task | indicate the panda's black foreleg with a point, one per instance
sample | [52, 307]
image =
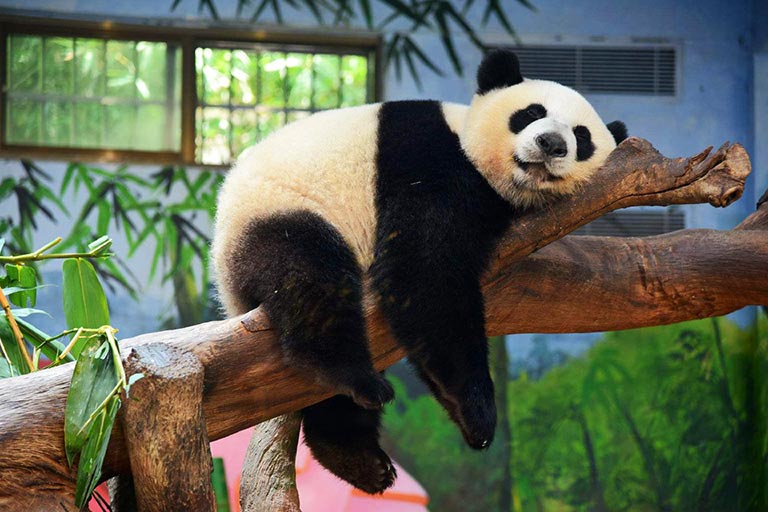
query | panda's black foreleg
[438, 316]
[344, 438]
[299, 268]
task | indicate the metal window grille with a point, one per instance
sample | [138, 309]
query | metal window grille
[245, 92]
[604, 69]
[120, 109]
[635, 222]
[85, 92]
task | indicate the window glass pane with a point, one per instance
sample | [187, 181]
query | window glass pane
[272, 67]
[327, 77]
[58, 60]
[244, 77]
[25, 63]
[57, 122]
[150, 124]
[215, 75]
[151, 80]
[93, 93]
[354, 78]
[269, 122]
[298, 80]
[121, 69]
[90, 59]
[214, 135]
[120, 122]
[89, 123]
[23, 122]
[244, 130]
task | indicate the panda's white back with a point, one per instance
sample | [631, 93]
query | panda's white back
[325, 163]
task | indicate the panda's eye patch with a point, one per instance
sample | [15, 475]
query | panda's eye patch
[584, 146]
[522, 118]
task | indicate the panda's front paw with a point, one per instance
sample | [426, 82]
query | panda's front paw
[477, 414]
[371, 391]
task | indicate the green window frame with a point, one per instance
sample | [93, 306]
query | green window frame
[191, 96]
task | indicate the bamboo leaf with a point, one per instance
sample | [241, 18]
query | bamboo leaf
[422, 56]
[102, 225]
[24, 277]
[365, 8]
[25, 312]
[93, 380]
[85, 304]
[42, 341]
[11, 348]
[5, 369]
[447, 40]
[92, 456]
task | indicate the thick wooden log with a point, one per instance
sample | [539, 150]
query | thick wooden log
[164, 431]
[247, 382]
[268, 483]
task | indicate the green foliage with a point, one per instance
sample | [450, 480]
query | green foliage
[401, 47]
[98, 377]
[85, 304]
[663, 418]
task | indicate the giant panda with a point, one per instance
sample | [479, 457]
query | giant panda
[407, 199]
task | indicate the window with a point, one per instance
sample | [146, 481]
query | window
[244, 93]
[118, 92]
[92, 93]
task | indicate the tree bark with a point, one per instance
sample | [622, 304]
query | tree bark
[583, 284]
[164, 429]
[271, 452]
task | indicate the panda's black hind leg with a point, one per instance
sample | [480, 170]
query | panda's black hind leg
[344, 438]
[299, 268]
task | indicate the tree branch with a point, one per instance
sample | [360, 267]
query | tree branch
[246, 380]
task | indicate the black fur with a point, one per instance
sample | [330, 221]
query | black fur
[522, 118]
[438, 220]
[310, 285]
[618, 130]
[344, 437]
[499, 68]
[585, 148]
[307, 279]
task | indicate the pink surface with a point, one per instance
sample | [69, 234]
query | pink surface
[319, 490]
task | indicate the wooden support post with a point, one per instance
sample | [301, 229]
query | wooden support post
[165, 433]
[271, 452]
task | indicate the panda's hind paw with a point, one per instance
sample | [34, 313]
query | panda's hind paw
[371, 391]
[374, 474]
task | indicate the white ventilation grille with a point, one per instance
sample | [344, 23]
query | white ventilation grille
[603, 69]
[635, 223]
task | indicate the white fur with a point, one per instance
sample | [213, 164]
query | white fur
[489, 143]
[326, 164]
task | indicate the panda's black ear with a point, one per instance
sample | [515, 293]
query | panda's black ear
[499, 68]
[618, 130]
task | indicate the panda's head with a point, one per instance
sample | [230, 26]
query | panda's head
[533, 139]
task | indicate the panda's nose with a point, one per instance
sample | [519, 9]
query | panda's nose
[552, 144]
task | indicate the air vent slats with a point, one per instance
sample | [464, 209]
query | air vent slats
[608, 70]
[635, 223]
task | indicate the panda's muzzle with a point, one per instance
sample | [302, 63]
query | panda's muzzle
[552, 144]
[537, 170]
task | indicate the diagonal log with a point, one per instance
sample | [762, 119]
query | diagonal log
[247, 382]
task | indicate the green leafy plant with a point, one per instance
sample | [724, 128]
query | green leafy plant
[98, 379]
